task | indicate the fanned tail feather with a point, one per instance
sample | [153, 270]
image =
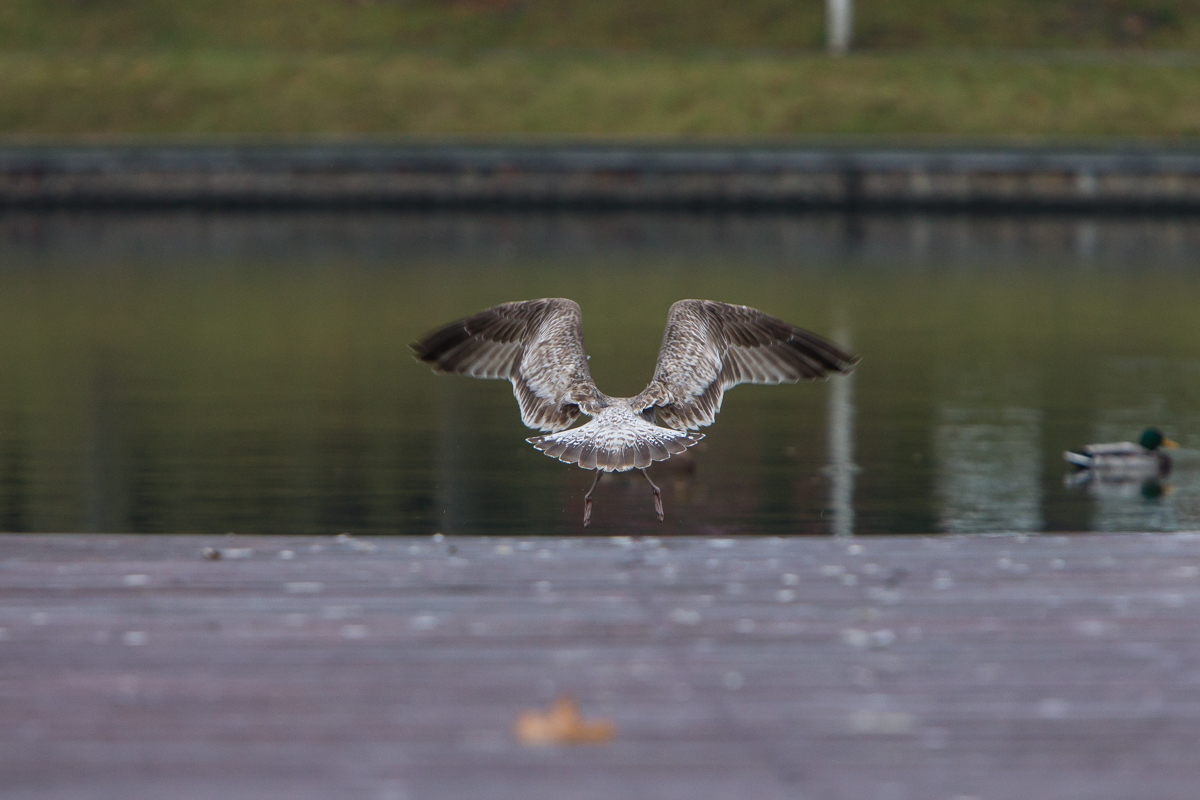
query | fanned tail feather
[615, 443]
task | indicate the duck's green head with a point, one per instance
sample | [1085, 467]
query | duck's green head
[1152, 439]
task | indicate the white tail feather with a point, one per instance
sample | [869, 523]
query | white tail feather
[617, 440]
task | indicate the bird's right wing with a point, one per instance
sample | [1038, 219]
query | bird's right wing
[709, 347]
[536, 344]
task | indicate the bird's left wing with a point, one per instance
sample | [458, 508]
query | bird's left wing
[536, 344]
[709, 347]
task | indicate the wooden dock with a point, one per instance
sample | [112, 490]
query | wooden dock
[910, 668]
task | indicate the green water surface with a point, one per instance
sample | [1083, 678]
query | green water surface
[187, 372]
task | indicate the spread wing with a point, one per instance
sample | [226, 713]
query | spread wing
[709, 347]
[536, 344]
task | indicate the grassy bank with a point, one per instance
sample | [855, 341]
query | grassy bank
[597, 68]
[604, 24]
[129, 92]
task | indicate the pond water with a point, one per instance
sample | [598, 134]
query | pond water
[191, 372]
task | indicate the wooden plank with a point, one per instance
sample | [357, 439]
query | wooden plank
[912, 667]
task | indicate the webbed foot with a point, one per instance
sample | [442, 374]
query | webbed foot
[587, 502]
[658, 506]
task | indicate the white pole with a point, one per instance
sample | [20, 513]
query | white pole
[839, 21]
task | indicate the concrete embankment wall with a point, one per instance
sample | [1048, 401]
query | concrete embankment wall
[596, 177]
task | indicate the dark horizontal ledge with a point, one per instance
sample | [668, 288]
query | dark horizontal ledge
[595, 176]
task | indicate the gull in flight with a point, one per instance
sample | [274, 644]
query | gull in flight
[708, 347]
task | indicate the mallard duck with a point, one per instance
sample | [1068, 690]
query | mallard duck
[1126, 461]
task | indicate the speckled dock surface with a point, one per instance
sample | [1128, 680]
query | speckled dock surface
[914, 668]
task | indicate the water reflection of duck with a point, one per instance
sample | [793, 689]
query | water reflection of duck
[1118, 488]
[1139, 461]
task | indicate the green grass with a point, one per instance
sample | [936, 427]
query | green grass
[605, 24]
[562, 94]
[620, 68]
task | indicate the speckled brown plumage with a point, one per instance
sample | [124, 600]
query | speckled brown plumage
[707, 348]
[536, 344]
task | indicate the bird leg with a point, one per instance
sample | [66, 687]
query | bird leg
[587, 501]
[657, 497]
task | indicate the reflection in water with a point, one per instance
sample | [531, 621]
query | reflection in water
[1123, 504]
[299, 240]
[1133, 505]
[212, 372]
[841, 446]
[14, 471]
[989, 470]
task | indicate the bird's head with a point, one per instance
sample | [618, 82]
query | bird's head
[1152, 439]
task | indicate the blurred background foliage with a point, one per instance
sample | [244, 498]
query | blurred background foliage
[597, 68]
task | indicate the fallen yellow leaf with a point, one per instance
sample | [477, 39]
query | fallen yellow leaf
[561, 725]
